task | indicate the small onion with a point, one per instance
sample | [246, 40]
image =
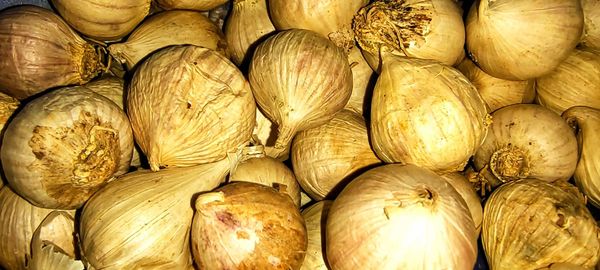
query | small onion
[326, 157]
[315, 217]
[467, 192]
[64, 146]
[40, 51]
[189, 105]
[591, 31]
[201, 5]
[400, 217]
[532, 224]
[247, 226]
[527, 141]
[575, 82]
[177, 27]
[497, 93]
[522, 40]
[105, 20]
[300, 80]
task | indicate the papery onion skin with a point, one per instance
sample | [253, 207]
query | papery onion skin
[497, 93]
[575, 82]
[202, 5]
[413, 97]
[40, 51]
[467, 192]
[300, 80]
[531, 224]
[64, 146]
[177, 27]
[190, 111]
[50, 252]
[8, 105]
[363, 80]
[527, 141]
[104, 20]
[591, 32]
[525, 39]
[400, 217]
[315, 217]
[326, 157]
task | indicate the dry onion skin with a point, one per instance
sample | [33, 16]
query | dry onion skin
[586, 122]
[431, 29]
[326, 157]
[202, 5]
[104, 20]
[400, 217]
[531, 224]
[177, 27]
[8, 105]
[497, 93]
[40, 51]
[330, 18]
[468, 193]
[575, 82]
[64, 146]
[247, 23]
[414, 97]
[362, 82]
[49, 254]
[315, 217]
[247, 226]
[143, 219]
[526, 141]
[265, 134]
[300, 80]
[189, 105]
[522, 40]
[591, 31]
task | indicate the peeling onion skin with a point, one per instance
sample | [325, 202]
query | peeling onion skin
[467, 192]
[400, 217]
[64, 146]
[201, 5]
[315, 217]
[40, 51]
[547, 225]
[522, 40]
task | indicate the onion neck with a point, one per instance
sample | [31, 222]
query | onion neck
[91, 63]
[509, 163]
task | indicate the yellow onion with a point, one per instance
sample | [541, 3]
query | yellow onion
[105, 20]
[177, 27]
[189, 105]
[202, 5]
[586, 122]
[48, 253]
[591, 31]
[532, 224]
[40, 51]
[522, 40]
[362, 82]
[327, 157]
[400, 217]
[330, 18]
[497, 93]
[430, 29]
[247, 226]
[575, 82]
[64, 146]
[256, 167]
[526, 141]
[19, 220]
[315, 217]
[300, 80]
[8, 105]
[143, 218]
[467, 192]
[426, 113]
[245, 26]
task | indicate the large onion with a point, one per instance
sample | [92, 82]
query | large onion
[40, 51]
[400, 217]
[522, 40]
[315, 217]
[189, 105]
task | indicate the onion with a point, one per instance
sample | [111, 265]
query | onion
[415, 97]
[247, 226]
[330, 18]
[431, 29]
[497, 93]
[400, 217]
[467, 192]
[300, 80]
[531, 224]
[40, 51]
[105, 20]
[575, 82]
[201, 5]
[189, 105]
[525, 39]
[168, 28]
[527, 141]
[326, 157]
[591, 14]
[64, 146]
[363, 80]
[315, 217]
